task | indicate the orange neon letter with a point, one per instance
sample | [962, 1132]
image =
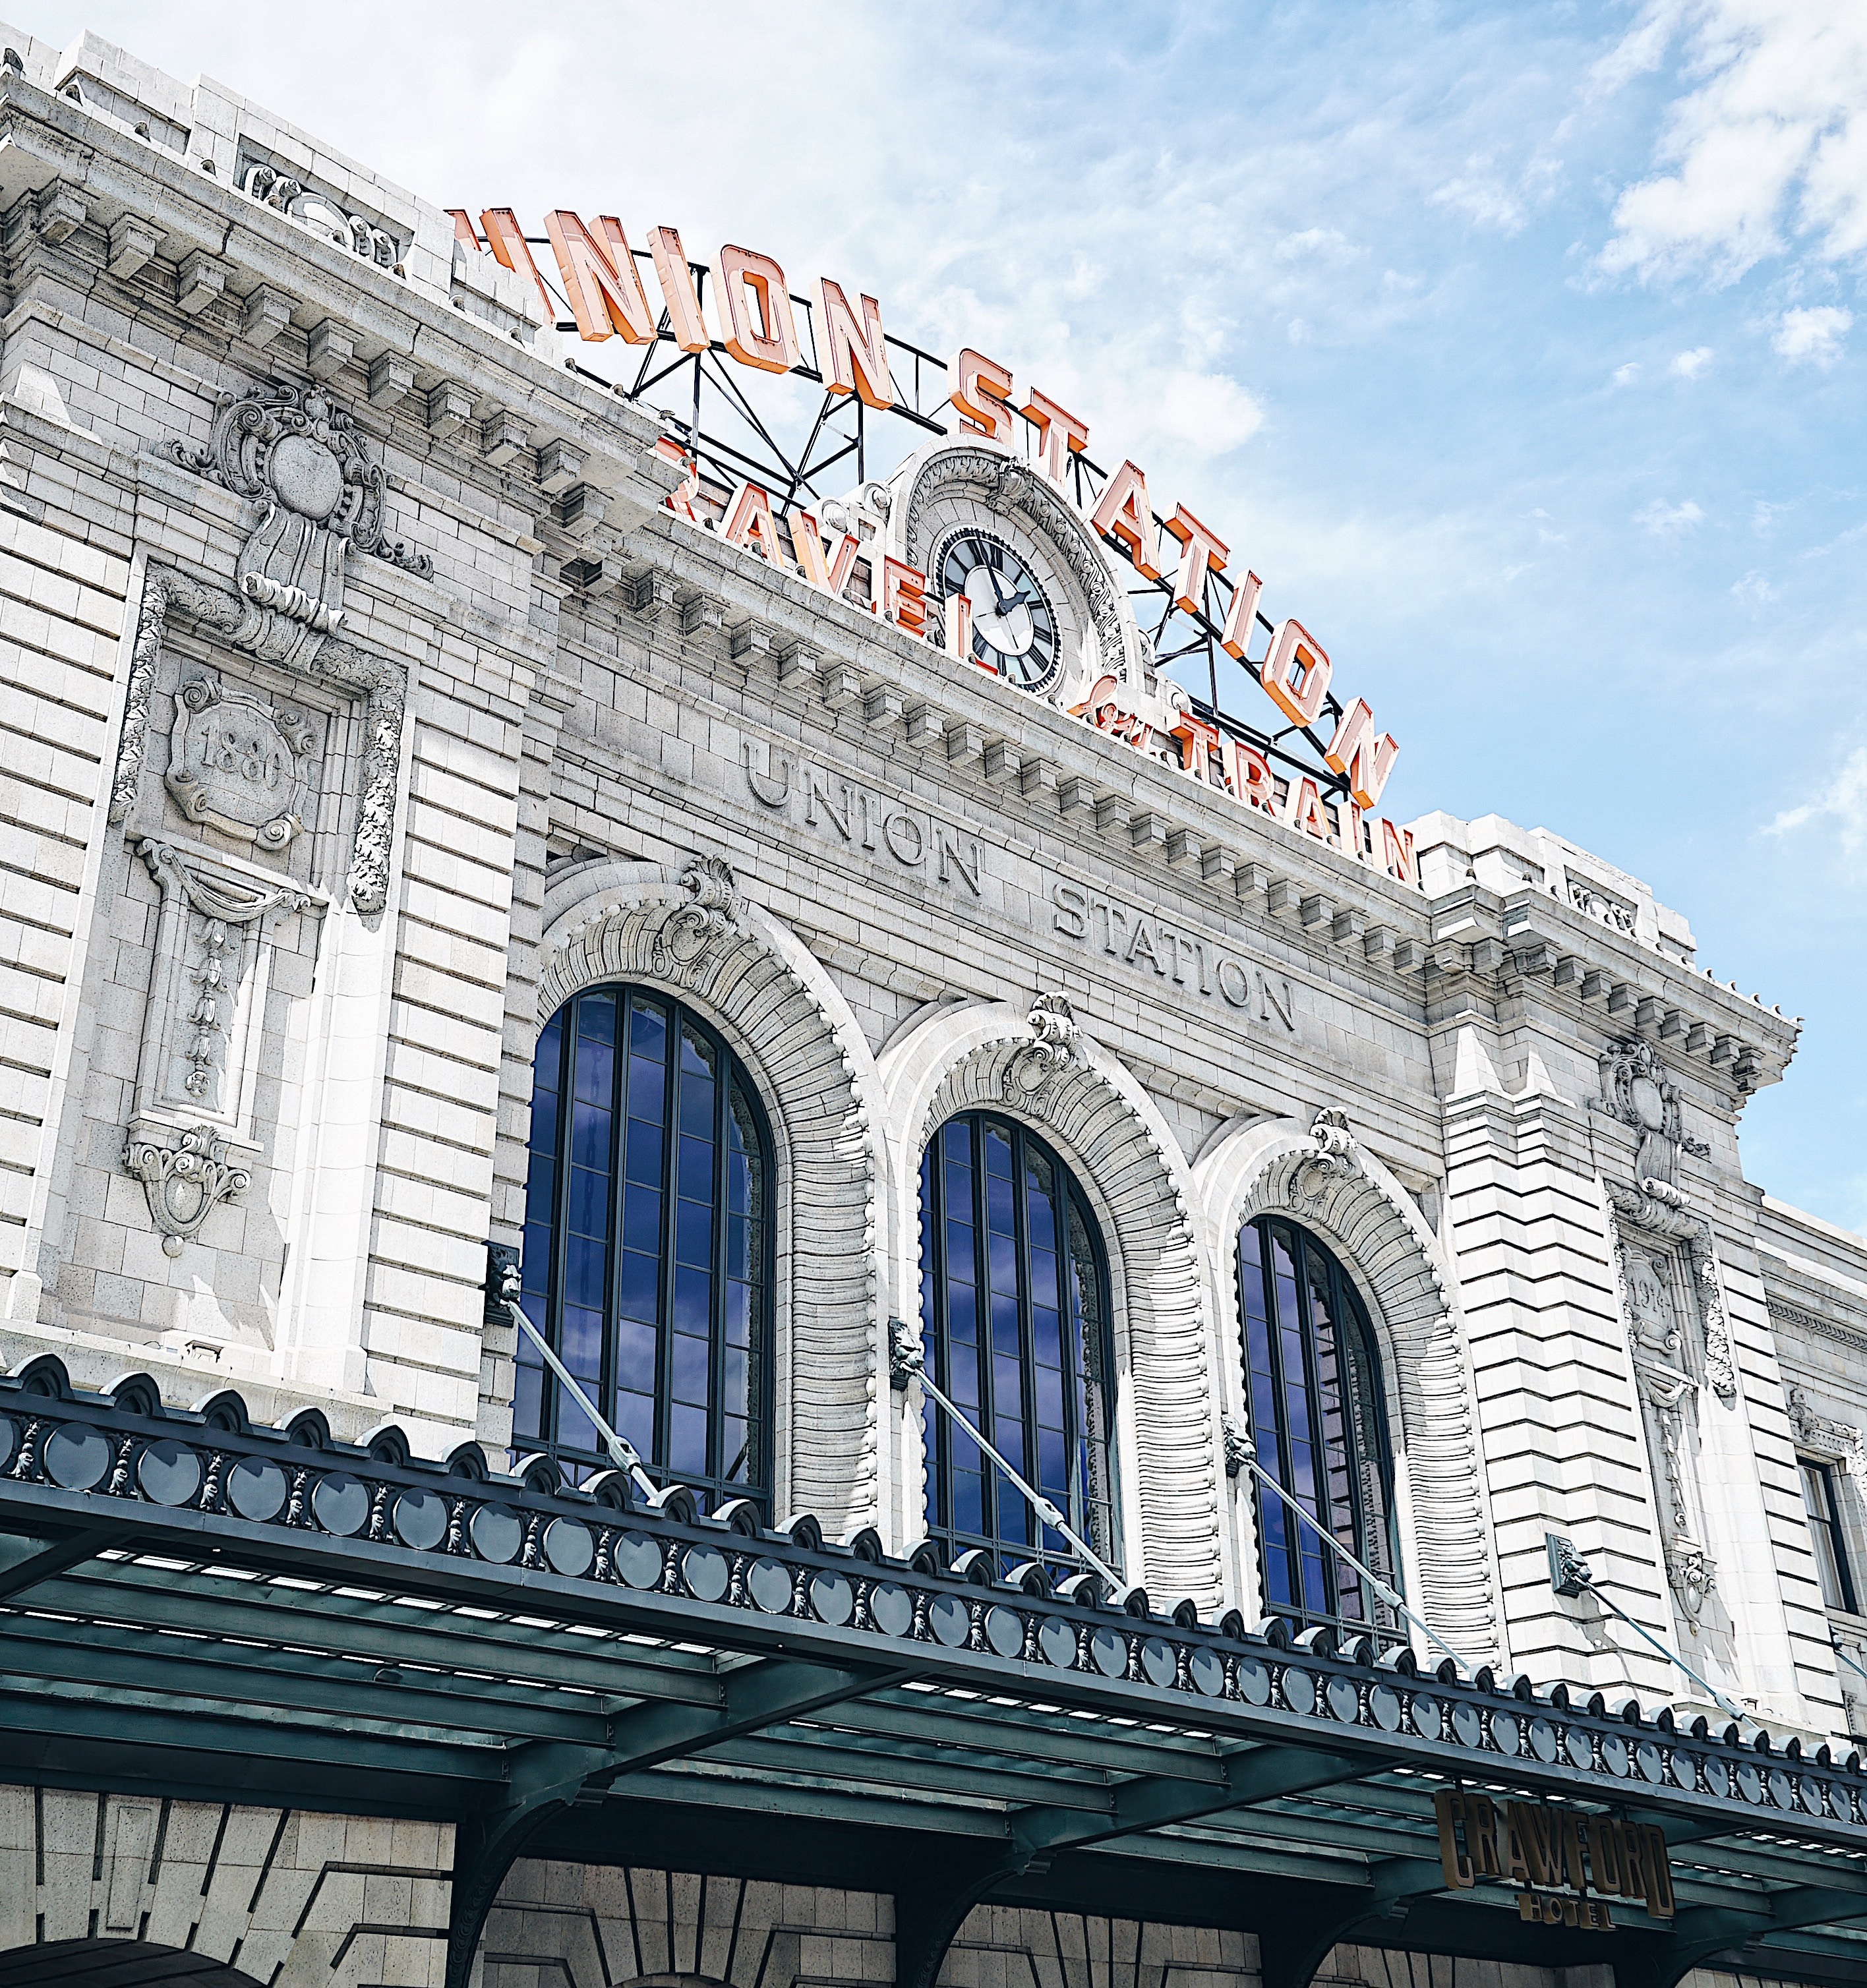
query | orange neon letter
[1199, 548]
[605, 290]
[853, 360]
[1061, 434]
[1125, 514]
[904, 596]
[1241, 616]
[506, 240]
[980, 390]
[1356, 752]
[463, 230]
[748, 523]
[1296, 673]
[676, 277]
[681, 501]
[1397, 852]
[763, 334]
[1253, 784]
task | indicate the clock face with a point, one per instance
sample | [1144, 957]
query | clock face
[1015, 624]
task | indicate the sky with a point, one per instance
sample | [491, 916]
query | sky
[1521, 349]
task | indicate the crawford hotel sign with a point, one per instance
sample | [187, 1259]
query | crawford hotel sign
[1002, 541]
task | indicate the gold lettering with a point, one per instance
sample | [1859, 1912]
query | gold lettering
[1449, 1806]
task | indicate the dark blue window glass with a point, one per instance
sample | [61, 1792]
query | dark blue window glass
[648, 1245]
[1312, 1394]
[1015, 1323]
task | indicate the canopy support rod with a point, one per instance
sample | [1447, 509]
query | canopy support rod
[1034, 1498]
[623, 1455]
[1388, 1594]
[1568, 1574]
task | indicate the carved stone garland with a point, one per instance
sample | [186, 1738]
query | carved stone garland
[302, 456]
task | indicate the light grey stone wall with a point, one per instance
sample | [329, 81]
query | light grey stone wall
[528, 728]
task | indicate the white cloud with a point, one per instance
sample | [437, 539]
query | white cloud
[1844, 805]
[1323, 244]
[1668, 521]
[1208, 412]
[1483, 199]
[1690, 365]
[1772, 134]
[1753, 594]
[1812, 337]
[1625, 375]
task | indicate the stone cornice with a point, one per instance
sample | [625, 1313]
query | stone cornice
[747, 621]
[51, 143]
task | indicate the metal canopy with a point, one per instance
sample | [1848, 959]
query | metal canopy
[192, 1607]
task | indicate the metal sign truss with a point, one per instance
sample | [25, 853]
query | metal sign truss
[730, 437]
[190, 1605]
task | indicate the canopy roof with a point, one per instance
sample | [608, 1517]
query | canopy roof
[192, 1606]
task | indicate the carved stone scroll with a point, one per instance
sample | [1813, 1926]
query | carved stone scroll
[235, 760]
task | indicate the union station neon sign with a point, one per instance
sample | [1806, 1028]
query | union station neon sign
[603, 282]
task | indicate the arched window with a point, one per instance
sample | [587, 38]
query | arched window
[648, 1245]
[1015, 1323]
[1312, 1380]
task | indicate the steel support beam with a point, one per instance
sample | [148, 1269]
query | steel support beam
[550, 1776]
[39, 1560]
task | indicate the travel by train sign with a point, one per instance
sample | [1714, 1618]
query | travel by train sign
[756, 321]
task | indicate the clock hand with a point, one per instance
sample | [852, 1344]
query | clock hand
[998, 587]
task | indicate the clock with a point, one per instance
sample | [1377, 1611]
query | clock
[1049, 614]
[1014, 622]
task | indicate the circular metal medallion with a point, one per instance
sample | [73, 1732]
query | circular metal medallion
[1004, 1630]
[1615, 1756]
[256, 1488]
[1056, 1639]
[1428, 1719]
[1467, 1724]
[1159, 1662]
[1299, 1691]
[76, 1458]
[950, 1619]
[638, 1560]
[1207, 1671]
[769, 1582]
[832, 1598]
[497, 1535]
[168, 1472]
[891, 1608]
[1384, 1707]
[1344, 1700]
[421, 1520]
[1254, 1681]
[1543, 1740]
[1108, 1651]
[569, 1547]
[340, 1503]
[704, 1570]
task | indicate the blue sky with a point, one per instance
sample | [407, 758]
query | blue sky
[1520, 349]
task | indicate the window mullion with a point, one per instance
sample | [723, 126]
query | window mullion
[561, 1228]
[1027, 1336]
[664, 1279]
[717, 1458]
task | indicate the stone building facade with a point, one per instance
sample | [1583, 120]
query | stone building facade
[369, 689]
